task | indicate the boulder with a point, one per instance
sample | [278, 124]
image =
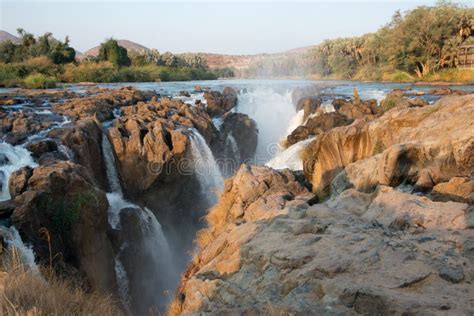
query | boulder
[41, 147]
[317, 125]
[84, 139]
[356, 253]
[357, 109]
[64, 216]
[309, 105]
[456, 189]
[410, 139]
[18, 181]
[244, 131]
[218, 103]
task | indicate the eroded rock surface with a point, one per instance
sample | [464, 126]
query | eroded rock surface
[398, 145]
[386, 252]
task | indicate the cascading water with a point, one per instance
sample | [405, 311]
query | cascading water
[205, 167]
[272, 110]
[290, 157]
[25, 253]
[154, 242]
[296, 120]
[232, 150]
[12, 158]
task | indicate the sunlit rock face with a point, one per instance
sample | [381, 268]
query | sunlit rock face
[269, 247]
[388, 230]
[437, 138]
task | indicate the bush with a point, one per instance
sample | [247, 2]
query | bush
[27, 292]
[398, 76]
[453, 75]
[90, 72]
[39, 81]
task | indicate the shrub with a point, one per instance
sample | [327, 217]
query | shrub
[39, 81]
[398, 76]
[453, 75]
[27, 292]
[90, 72]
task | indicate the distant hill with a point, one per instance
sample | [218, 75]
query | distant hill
[243, 61]
[129, 45]
[5, 36]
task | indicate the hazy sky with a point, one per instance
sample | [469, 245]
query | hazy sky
[244, 27]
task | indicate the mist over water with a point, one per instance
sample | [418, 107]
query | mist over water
[272, 110]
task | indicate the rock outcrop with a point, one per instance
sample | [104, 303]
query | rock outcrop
[244, 131]
[150, 136]
[398, 146]
[219, 103]
[61, 213]
[84, 141]
[270, 248]
[316, 125]
[102, 104]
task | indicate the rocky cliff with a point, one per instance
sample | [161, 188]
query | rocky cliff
[389, 231]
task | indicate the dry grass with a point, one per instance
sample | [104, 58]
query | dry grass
[25, 292]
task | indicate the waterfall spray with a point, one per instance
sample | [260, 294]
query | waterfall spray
[154, 242]
[205, 167]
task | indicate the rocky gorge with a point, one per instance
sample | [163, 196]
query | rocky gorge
[365, 208]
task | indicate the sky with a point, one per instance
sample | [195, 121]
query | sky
[227, 27]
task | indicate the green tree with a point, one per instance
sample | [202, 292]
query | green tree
[112, 52]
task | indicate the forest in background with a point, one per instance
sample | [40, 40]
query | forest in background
[41, 62]
[418, 45]
[421, 44]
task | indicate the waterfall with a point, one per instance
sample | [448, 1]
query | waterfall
[272, 110]
[290, 157]
[110, 166]
[12, 158]
[154, 241]
[295, 121]
[232, 150]
[25, 253]
[205, 167]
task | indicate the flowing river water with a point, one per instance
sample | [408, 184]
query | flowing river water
[269, 102]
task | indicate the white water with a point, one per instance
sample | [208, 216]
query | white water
[205, 167]
[154, 241]
[122, 283]
[232, 150]
[110, 166]
[272, 111]
[18, 157]
[295, 121]
[290, 157]
[328, 107]
[25, 253]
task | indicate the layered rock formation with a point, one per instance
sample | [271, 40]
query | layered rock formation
[219, 103]
[61, 213]
[388, 252]
[395, 236]
[399, 145]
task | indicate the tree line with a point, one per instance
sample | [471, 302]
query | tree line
[415, 44]
[40, 62]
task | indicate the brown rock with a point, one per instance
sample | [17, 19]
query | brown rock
[40, 147]
[85, 139]
[245, 132]
[420, 139]
[18, 181]
[457, 189]
[62, 199]
[218, 103]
